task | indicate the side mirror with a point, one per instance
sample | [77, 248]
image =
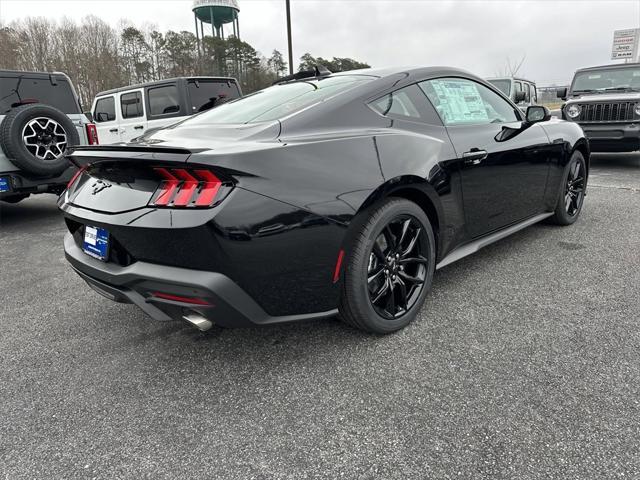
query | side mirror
[519, 97]
[561, 93]
[537, 113]
[89, 116]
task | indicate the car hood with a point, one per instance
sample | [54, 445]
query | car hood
[606, 97]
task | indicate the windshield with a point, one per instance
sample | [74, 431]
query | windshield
[602, 80]
[278, 101]
[503, 85]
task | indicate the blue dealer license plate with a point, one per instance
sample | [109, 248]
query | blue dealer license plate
[96, 242]
[5, 186]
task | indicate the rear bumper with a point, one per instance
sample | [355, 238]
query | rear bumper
[228, 304]
[613, 137]
[21, 184]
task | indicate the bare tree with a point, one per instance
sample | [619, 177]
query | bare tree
[510, 68]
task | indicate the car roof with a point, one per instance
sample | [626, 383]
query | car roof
[517, 79]
[610, 66]
[161, 82]
[411, 72]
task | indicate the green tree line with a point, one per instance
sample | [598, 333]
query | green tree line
[97, 56]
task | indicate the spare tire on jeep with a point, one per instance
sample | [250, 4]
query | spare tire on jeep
[35, 138]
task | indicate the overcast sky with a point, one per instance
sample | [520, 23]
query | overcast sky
[556, 36]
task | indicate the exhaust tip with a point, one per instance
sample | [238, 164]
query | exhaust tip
[196, 320]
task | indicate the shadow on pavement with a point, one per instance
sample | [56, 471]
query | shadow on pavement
[40, 208]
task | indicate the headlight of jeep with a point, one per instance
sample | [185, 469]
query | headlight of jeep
[637, 109]
[573, 111]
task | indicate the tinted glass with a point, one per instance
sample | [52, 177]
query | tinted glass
[527, 93]
[279, 101]
[503, 85]
[534, 94]
[13, 90]
[131, 105]
[164, 100]
[206, 94]
[517, 86]
[398, 104]
[464, 102]
[620, 78]
[105, 110]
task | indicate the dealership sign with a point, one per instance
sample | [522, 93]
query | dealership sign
[625, 43]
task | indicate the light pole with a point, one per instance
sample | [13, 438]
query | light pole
[289, 38]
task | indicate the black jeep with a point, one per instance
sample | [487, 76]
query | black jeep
[605, 101]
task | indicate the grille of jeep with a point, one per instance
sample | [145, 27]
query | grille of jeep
[607, 112]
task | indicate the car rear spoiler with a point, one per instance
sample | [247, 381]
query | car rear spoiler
[82, 156]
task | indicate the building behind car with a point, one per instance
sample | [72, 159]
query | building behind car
[123, 114]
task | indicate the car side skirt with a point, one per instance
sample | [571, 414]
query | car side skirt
[475, 245]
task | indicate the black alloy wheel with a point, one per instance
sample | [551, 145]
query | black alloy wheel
[397, 267]
[574, 189]
[574, 185]
[388, 266]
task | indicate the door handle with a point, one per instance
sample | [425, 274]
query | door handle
[113, 130]
[474, 156]
[138, 127]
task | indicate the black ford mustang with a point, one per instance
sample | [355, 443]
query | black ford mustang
[324, 194]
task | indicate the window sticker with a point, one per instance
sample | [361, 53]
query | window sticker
[459, 102]
[594, 77]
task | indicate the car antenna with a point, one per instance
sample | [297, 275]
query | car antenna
[318, 71]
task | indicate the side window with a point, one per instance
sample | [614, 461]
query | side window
[407, 103]
[527, 93]
[397, 104]
[460, 101]
[131, 105]
[105, 110]
[517, 87]
[163, 100]
[534, 94]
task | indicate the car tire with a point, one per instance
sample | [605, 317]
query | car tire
[573, 187]
[35, 138]
[380, 254]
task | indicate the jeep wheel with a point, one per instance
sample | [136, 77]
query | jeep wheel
[35, 138]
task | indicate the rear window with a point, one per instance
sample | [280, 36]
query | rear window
[206, 94]
[280, 100]
[164, 100]
[105, 110]
[14, 90]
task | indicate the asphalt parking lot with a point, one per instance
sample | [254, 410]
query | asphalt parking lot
[525, 363]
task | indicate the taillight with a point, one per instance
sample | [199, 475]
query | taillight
[181, 187]
[92, 134]
[75, 176]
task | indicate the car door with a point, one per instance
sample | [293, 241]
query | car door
[133, 122]
[106, 120]
[504, 162]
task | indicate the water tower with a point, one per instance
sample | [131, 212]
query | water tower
[217, 13]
